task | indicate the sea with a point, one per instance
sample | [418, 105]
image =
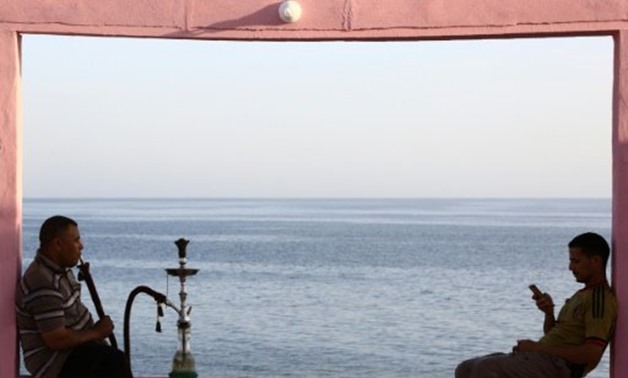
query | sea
[328, 288]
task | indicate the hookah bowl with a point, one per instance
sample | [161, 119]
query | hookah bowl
[183, 363]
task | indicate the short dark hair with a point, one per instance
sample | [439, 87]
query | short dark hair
[592, 244]
[53, 227]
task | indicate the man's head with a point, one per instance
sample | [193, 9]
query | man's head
[60, 240]
[588, 256]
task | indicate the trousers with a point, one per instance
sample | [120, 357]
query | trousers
[95, 360]
[514, 365]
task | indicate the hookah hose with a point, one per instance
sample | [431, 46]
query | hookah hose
[85, 275]
[158, 297]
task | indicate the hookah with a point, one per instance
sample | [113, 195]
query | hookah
[183, 363]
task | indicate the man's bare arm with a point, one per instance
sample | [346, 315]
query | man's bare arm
[544, 303]
[65, 338]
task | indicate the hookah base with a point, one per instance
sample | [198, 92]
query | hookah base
[183, 374]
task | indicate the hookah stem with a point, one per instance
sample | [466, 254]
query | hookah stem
[84, 270]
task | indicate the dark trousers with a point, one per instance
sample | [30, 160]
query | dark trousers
[95, 360]
[514, 365]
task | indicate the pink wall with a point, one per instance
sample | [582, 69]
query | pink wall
[619, 367]
[10, 195]
[321, 20]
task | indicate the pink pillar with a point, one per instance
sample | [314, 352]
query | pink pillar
[10, 196]
[619, 364]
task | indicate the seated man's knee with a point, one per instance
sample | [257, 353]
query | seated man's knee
[463, 370]
[480, 367]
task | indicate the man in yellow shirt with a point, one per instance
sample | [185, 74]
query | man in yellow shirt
[574, 342]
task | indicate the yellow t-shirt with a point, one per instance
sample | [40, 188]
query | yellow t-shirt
[587, 317]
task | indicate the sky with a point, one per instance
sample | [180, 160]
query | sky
[116, 117]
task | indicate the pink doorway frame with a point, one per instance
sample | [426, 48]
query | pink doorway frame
[256, 20]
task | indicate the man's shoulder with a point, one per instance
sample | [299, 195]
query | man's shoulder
[603, 294]
[37, 276]
[607, 295]
[597, 291]
[602, 301]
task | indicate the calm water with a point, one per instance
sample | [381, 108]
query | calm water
[330, 288]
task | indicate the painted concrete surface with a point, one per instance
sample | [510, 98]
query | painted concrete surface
[321, 20]
[10, 196]
[619, 364]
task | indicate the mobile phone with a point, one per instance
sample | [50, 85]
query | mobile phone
[536, 291]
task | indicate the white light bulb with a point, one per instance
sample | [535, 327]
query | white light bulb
[290, 11]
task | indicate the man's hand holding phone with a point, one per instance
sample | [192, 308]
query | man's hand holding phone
[543, 300]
